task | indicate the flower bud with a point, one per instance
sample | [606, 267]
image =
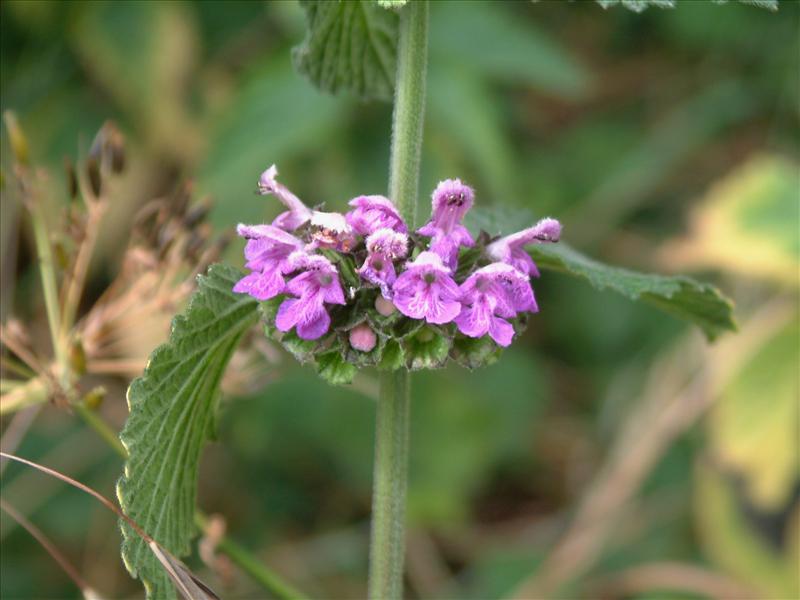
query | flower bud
[362, 338]
[383, 306]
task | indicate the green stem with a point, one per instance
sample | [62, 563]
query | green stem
[387, 546]
[48, 275]
[409, 108]
[242, 558]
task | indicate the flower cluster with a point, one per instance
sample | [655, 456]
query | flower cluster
[359, 288]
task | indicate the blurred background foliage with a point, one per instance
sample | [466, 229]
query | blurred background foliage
[612, 452]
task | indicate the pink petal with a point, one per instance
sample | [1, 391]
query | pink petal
[501, 331]
[314, 325]
[287, 316]
[333, 294]
[261, 286]
[474, 321]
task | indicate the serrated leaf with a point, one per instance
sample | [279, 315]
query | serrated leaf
[172, 412]
[473, 353]
[350, 45]
[680, 296]
[640, 5]
[637, 5]
[426, 349]
[334, 369]
[392, 3]
[768, 4]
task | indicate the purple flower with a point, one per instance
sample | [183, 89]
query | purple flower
[371, 213]
[490, 296]
[317, 285]
[511, 248]
[426, 291]
[451, 201]
[383, 247]
[298, 213]
[267, 252]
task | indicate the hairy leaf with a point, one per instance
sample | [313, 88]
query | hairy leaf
[172, 413]
[350, 45]
[637, 5]
[681, 296]
[640, 5]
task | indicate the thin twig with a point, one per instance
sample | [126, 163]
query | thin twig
[84, 488]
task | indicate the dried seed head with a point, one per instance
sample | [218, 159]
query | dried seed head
[94, 397]
[16, 138]
[72, 178]
[77, 357]
[93, 173]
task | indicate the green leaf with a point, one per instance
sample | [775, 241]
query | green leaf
[637, 5]
[681, 296]
[391, 3]
[172, 413]
[350, 45]
[640, 5]
[768, 4]
[334, 369]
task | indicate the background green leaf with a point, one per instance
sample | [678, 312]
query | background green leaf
[172, 414]
[683, 297]
[350, 45]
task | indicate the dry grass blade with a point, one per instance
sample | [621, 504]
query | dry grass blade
[188, 584]
[185, 581]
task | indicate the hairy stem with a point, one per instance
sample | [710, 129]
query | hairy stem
[409, 108]
[387, 545]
